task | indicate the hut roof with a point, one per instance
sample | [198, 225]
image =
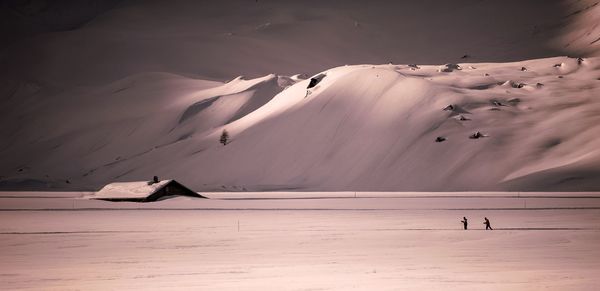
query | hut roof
[130, 190]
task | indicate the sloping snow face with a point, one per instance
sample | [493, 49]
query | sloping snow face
[129, 190]
[101, 127]
[221, 40]
[580, 34]
[479, 126]
[375, 127]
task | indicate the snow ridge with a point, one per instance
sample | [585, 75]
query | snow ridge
[487, 126]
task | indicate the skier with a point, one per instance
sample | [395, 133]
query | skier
[464, 222]
[487, 224]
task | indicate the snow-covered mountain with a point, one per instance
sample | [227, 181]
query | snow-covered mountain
[219, 41]
[86, 107]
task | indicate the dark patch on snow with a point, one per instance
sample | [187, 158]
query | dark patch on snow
[184, 137]
[477, 135]
[569, 179]
[483, 86]
[263, 94]
[120, 90]
[581, 10]
[315, 80]
[197, 152]
[124, 173]
[552, 143]
[514, 101]
[497, 103]
[196, 108]
[447, 68]
[455, 109]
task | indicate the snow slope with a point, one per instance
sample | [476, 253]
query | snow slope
[580, 34]
[218, 41]
[85, 129]
[363, 127]
[131, 94]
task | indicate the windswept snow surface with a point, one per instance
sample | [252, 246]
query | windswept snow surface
[301, 241]
[581, 33]
[220, 40]
[363, 127]
[129, 92]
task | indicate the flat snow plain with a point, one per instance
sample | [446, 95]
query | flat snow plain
[301, 241]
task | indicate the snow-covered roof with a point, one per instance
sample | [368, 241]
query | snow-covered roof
[121, 190]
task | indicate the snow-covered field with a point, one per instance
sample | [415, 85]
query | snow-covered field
[301, 241]
[461, 95]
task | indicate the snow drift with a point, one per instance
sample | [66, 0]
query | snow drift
[129, 92]
[363, 127]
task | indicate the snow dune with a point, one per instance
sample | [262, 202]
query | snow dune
[138, 97]
[362, 127]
